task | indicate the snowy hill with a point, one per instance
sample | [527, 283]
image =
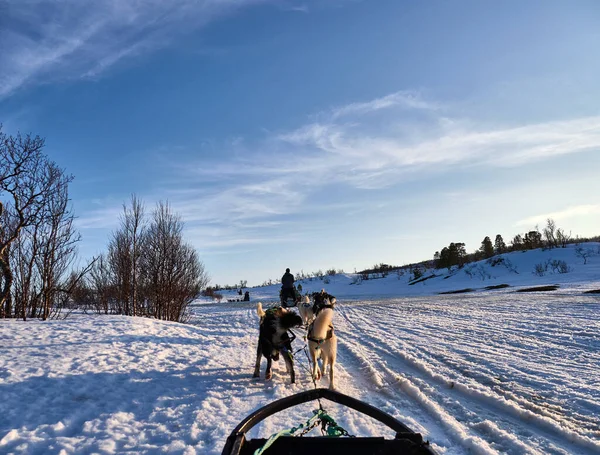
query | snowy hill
[514, 269]
[488, 372]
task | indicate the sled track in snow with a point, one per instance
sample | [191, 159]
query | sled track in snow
[448, 385]
[473, 375]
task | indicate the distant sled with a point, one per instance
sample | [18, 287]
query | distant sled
[406, 442]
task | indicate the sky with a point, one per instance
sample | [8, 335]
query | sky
[313, 134]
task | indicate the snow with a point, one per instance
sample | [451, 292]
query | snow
[517, 271]
[487, 372]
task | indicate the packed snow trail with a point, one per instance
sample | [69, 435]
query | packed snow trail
[499, 381]
[486, 374]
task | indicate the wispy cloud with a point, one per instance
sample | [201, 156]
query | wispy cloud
[570, 212]
[367, 155]
[106, 217]
[406, 99]
[258, 188]
[46, 40]
[287, 169]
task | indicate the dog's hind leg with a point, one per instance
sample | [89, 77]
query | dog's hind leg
[316, 373]
[331, 375]
[332, 359]
[257, 364]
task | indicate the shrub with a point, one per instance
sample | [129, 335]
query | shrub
[540, 269]
[553, 265]
[208, 292]
[584, 253]
[560, 266]
[417, 273]
[498, 260]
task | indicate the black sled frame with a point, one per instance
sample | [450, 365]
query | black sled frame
[406, 442]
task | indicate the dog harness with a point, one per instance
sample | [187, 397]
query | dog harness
[320, 306]
[319, 341]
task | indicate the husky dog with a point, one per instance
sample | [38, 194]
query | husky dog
[322, 343]
[273, 338]
[305, 308]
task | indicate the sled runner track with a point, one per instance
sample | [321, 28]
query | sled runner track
[546, 409]
[451, 430]
[413, 382]
[469, 370]
[412, 374]
[433, 416]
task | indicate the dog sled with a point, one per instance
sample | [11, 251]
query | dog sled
[287, 442]
[289, 300]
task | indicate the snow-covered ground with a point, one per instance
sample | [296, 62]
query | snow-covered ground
[485, 373]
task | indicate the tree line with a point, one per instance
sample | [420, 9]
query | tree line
[147, 270]
[455, 254]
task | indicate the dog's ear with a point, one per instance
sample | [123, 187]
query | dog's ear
[259, 310]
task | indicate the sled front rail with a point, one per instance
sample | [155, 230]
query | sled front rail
[406, 442]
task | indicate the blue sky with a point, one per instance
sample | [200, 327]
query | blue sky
[314, 134]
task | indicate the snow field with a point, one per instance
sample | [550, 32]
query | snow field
[489, 373]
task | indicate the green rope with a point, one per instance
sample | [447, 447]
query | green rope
[309, 425]
[328, 427]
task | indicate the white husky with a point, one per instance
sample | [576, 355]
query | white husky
[322, 343]
[305, 308]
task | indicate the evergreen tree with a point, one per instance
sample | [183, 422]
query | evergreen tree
[499, 245]
[487, 248]
[532, 240]
[517, 243]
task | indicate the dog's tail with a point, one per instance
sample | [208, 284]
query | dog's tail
[259, 310]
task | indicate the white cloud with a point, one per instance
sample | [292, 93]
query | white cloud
[103, 218]
[568, 213]
[46, 40]
[358, 152]
[405, 99]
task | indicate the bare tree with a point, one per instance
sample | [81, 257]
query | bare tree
[124, 253]
[119, 259]
[100, 283]
[58, 249]
[134, 226]
[173, 272]
[36, 225]
[562, 237]
[584, 253]
[549, 234]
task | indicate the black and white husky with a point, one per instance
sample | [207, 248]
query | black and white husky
[308, 310]
[274, 339]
